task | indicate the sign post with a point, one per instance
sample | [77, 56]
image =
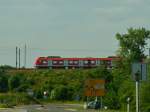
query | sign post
[101, 102]
[95, 87]
[137, 96]
[139, 73]
[137, 78]
[128, 104]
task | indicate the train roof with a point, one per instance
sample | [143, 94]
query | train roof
[59, 58]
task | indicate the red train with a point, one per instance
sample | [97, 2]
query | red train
[58, 62]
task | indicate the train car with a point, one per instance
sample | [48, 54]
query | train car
[67, 63]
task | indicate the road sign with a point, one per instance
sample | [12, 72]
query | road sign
[140, 69]
[94, 87]
[139, 72]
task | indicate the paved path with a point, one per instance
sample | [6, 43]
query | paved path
[49, 108]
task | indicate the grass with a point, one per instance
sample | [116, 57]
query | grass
[99, 110]
[6, 106]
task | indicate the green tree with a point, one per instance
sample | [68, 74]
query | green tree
[15, 81]
[60, 92]
[132, 44]
[145, 99]
[132, 47]
[3, 83]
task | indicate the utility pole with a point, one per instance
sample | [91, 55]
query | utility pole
[16, 57]
[19, 58]
[25, 55]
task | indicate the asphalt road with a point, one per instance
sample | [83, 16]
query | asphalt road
[49, 108]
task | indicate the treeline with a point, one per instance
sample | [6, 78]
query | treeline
[59, 85]
[68, 85]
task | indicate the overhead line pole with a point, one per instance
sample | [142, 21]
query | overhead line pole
[16, 57]
[19, 58]
[25, 55]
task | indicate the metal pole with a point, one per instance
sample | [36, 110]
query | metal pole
[128, 104]
[96, 99]
[16, 57]
[128, 107]
[137, 96]
[25, 55]
[19, 57]
[101, 102]
[149, 52]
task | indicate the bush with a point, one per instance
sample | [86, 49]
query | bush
[15, 81]
[5, 106]
[12, 99]
[38, 94]
[22, 88]
[3, 83]
[60, 92]
[147, 108]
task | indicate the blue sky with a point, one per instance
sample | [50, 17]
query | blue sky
[69, 28]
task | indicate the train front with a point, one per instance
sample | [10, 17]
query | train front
[41, 62]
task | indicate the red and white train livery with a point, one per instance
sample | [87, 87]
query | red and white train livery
[58, 62]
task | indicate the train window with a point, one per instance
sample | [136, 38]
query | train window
[92, 62]
[44, 62]
[85, 62]
[108, 62]
[75, 62]
[54, 62]
[70, 62]
[60, 62]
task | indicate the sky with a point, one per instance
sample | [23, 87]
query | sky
[67, 28]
